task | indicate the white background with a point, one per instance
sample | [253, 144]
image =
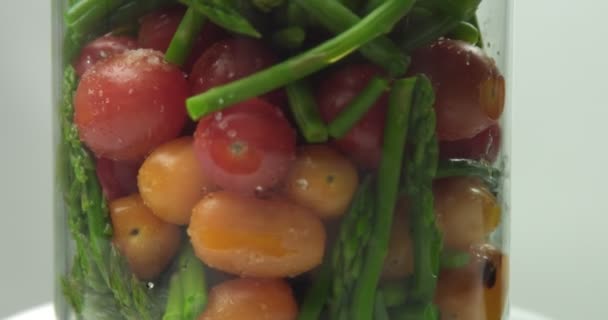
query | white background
[560, 157]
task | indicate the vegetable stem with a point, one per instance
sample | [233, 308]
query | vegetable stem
[175, 301]
[306, 114]
[373, 25]
[317, 295]
[337, 18]
[185, 35]
[387, 186]
[416, 312]
[358, 107]
[289, 38]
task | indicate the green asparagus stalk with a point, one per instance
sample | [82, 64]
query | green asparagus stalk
[305, 112]
[84, 16]
[420, 170]
[349, 252]
[317, 295]
[337, 18]
[175, 300]
[427, 32]
[187, 289]
[465, 31]
[470, 168]
[387, 190]
[373, 25]
[394, 293]
[185, 35]
[358, 107]
[380, 308]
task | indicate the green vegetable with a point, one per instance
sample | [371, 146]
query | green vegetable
[454, 259]
[348, 254]
[304, 109]
[375, 24]
[337, 18]
[317, 295]
[84, 16]
[188, 288]
[426, 32]
[459, 9]
[380, 309]
[466, 32]
[185, 35]
[470, 168]
[371, 5]
[224, 14]
[394, 293]
[358, 107]
[416, 312]
[475, 22]
[131, 10]
[289, 38]
[267, 5]
[387, 190]
[420, 168]
[99, 277]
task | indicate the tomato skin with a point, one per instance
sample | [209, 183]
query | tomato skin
[127, 105]
[117, 179]
[157, 29]
[247, 148]
[469, 89]
[230, 60]
[251, 299]
[363, 143]
[148, 243]
[100, 49]
[484, 146]
[248, 236]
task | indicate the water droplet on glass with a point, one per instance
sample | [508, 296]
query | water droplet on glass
[150, 285]
[218, 116]
[131, 91]
[231, 133]
[223, 125]
[100, 93]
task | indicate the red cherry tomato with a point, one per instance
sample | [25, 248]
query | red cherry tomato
[100, 49]
[117, 179]
[364, 141]
[127, 105]
[470, 91]
[157, 30]
[484, 146]
[230, 60]
[247, 148]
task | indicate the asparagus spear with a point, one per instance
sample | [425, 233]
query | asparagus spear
[187, 289]
[470, 168]
[337, 18]
[358, 107]
[349, 252]
[420, 170]
[373, 25]
[304, 109]
[387, 190]
[184, 37]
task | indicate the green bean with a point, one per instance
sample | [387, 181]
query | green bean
[337, 18]
[184, 37]
[357, 108]
[305, 112]
[373, 25]
[389, 172]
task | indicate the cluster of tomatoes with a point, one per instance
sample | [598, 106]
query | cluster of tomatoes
[254, 200]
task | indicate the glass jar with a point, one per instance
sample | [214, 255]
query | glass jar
[303, 159]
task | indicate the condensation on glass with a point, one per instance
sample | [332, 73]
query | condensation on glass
[282, 159]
